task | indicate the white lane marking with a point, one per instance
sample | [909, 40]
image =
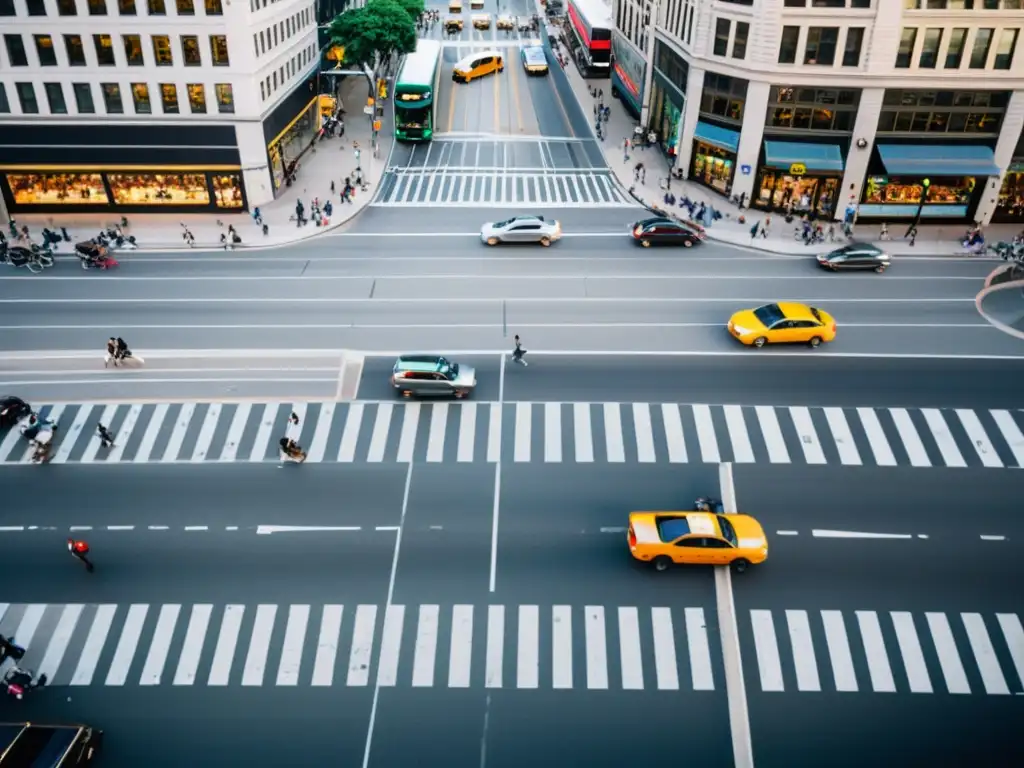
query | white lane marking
[803, 651]
[911, 440]
[93, 446]
[706, 434]
[197, 527]
[117, 673]
[362, 646]
[528, 651]
[318, 447]
[787, 533]
[263, 434]
[327, 646]
[467, 432]
[120, 527]
[769, 665]
[614, 446]
[644, 433]
[259, 645]
[124, 433]
[884, 456]
[410, 424]
[494, 433]
[460, 651]
[597, 648]
[666, 668]
[699, 650]
[826, 534]
[97, 638]
[59, 641]
[294, 639]
[1013, 633]
[390, 646]
[495, 515]
[1012, 435]
[874, 649]
[839, 651]
[976, 432]
[561, 647]
[910, 650]
[951, 455]
[206, 432]
[182, 422]
[379, 437]
[495, 646]
[949, 658]
[425, 652]
[582, 435]
[156, 659]
[235, 431]
[552, 433]
[74, 432]
[350, 434]
[192, 646]
[984, 654]
[227, 640]
[630, 656]
[842, 435]
[989, 537]
[742, 451]
[674, 433]
[772, 434]
[524, 416]
[809, 442]
[149, 437]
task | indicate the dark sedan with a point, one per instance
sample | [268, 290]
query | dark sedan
[664, 231]
[12, 410]
[855, 256]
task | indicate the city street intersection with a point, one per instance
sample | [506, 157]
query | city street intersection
[449, 583]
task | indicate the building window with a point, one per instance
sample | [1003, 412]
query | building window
[55, 98]
[982, 44]
[104, 50]
[44, 48]
[854, 44]
[190, 51]
[36, 7]
[263, 91]
[214, 8]
[16, 51]
[930, 48]
[225, 98]
[955, 51]
[7, 8]
[83, 98]
[169, 97]
[112, 98]
[140, 95]
[1007, 46]
[739, 42]
[197, 98]
[5, 105]
[126, 7]
[906, 49]
[256, 45]
[219, 50]
[27, 97]
[812, 109]
[67, 8]
[75, 50]
[162, 51]
[723, 97]
[133, 50]
[156, 7]
[789, 44]
[942, 111]
[97, 7]
[821, 46]
[185, 7]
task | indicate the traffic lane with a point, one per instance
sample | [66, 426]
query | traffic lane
[551, 546]
[438, 726]
[580, 119]
[206, 387]
[552, 117]
[444, 556]
[375, 382]
[517, 116]
[751, 378]
[851, 730]
[446, 219]
[941, 564]
[168, 727]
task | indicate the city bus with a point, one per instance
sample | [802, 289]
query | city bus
[416, 92]
[53, 746]
[591, 39]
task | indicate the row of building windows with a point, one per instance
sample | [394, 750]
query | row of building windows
[74, 46]
[124, 7]
[963, 5]
[724, 35]
[633, 19]
[931, 45]
[723, 97]
[113, 100]
[296, 65]
[821, 46]
[268, 38]
[827, 4]
[812, 109]
[680, 19]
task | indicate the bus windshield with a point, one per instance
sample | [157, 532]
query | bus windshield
[416, 92]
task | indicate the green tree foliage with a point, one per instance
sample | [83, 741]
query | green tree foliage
[380, 29]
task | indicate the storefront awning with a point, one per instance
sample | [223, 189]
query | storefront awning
[938, 159]
[813, 157]
[722, 138]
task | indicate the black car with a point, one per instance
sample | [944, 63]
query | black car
[855, 256]
[12, 410]
[664, 231]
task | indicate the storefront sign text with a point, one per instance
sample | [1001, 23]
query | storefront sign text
[797, 169]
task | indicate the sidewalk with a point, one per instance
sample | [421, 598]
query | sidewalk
[735, 225]
[331, 160]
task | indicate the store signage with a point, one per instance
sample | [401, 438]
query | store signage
[745, 170]
[797, 169]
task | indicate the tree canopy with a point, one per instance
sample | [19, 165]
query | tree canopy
[379, 29]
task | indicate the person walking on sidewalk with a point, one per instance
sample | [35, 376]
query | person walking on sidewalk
[257, 216]
[911, 232]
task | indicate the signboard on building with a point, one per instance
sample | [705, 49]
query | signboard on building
[797, 169]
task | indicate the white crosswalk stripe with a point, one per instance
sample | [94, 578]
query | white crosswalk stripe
[558, 647]
[550, 432]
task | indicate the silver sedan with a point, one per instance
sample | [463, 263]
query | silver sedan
[522, 229]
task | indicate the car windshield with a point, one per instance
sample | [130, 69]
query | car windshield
[451, 370]
[728, 532]
[671, 528]
[769, 315]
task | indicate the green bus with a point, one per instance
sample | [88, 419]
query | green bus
[416, 92]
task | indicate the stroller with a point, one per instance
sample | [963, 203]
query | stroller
[94, 256]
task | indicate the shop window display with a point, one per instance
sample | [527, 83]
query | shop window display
[159, 189]
[801, 194]
[58, 189]
[888, 191]
[227, 191]
[713, 167]
[1011, 196]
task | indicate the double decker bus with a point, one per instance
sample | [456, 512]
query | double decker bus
[591, 40]
[416, 92]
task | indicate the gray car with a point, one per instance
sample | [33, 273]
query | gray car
[521, 229]
[432, 375]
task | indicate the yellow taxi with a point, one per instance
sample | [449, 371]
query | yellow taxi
[784, 322]
[696, 538]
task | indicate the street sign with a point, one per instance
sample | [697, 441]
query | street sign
[745, 170]
[367, 110]
[797, 169]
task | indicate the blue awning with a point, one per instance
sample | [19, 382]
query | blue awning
[814, 157]
[939, 159]
[722, 138]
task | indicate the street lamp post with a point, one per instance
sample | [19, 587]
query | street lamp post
[926, 185]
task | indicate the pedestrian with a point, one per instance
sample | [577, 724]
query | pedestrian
[332, 187]
[106, 439]
[257, 216]
[911, 232]
[883, 234]
[754, 230]
[625, 150]
[766, 226]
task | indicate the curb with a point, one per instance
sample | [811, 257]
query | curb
[988, 290]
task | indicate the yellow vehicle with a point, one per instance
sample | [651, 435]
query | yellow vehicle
[785, 322]
[478, 65]
[482, 20]
[455, 6]
[535, 61]
[476, 5]
[696, 538]
[505, 22]
[452, 24]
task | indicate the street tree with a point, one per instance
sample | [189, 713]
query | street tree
[379, 30]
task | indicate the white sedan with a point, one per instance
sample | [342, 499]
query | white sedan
[522, 229]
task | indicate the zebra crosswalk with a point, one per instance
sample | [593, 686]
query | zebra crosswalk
[524, 432]
[413, 187]
[556, 647]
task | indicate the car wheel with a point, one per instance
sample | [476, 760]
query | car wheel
[492, 241]
[661, 563]
[645, 243]
[740, 564]
[687, 243]
[879, 270]
[545, 241]
[760, 341]
[815, 342]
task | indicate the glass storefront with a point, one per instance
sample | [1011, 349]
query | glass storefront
[286, 149]
[713, 167]
[803, 194]
[900, 197]
[120, 190]
[1010, 205]
[666, 115]
[628, 68]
